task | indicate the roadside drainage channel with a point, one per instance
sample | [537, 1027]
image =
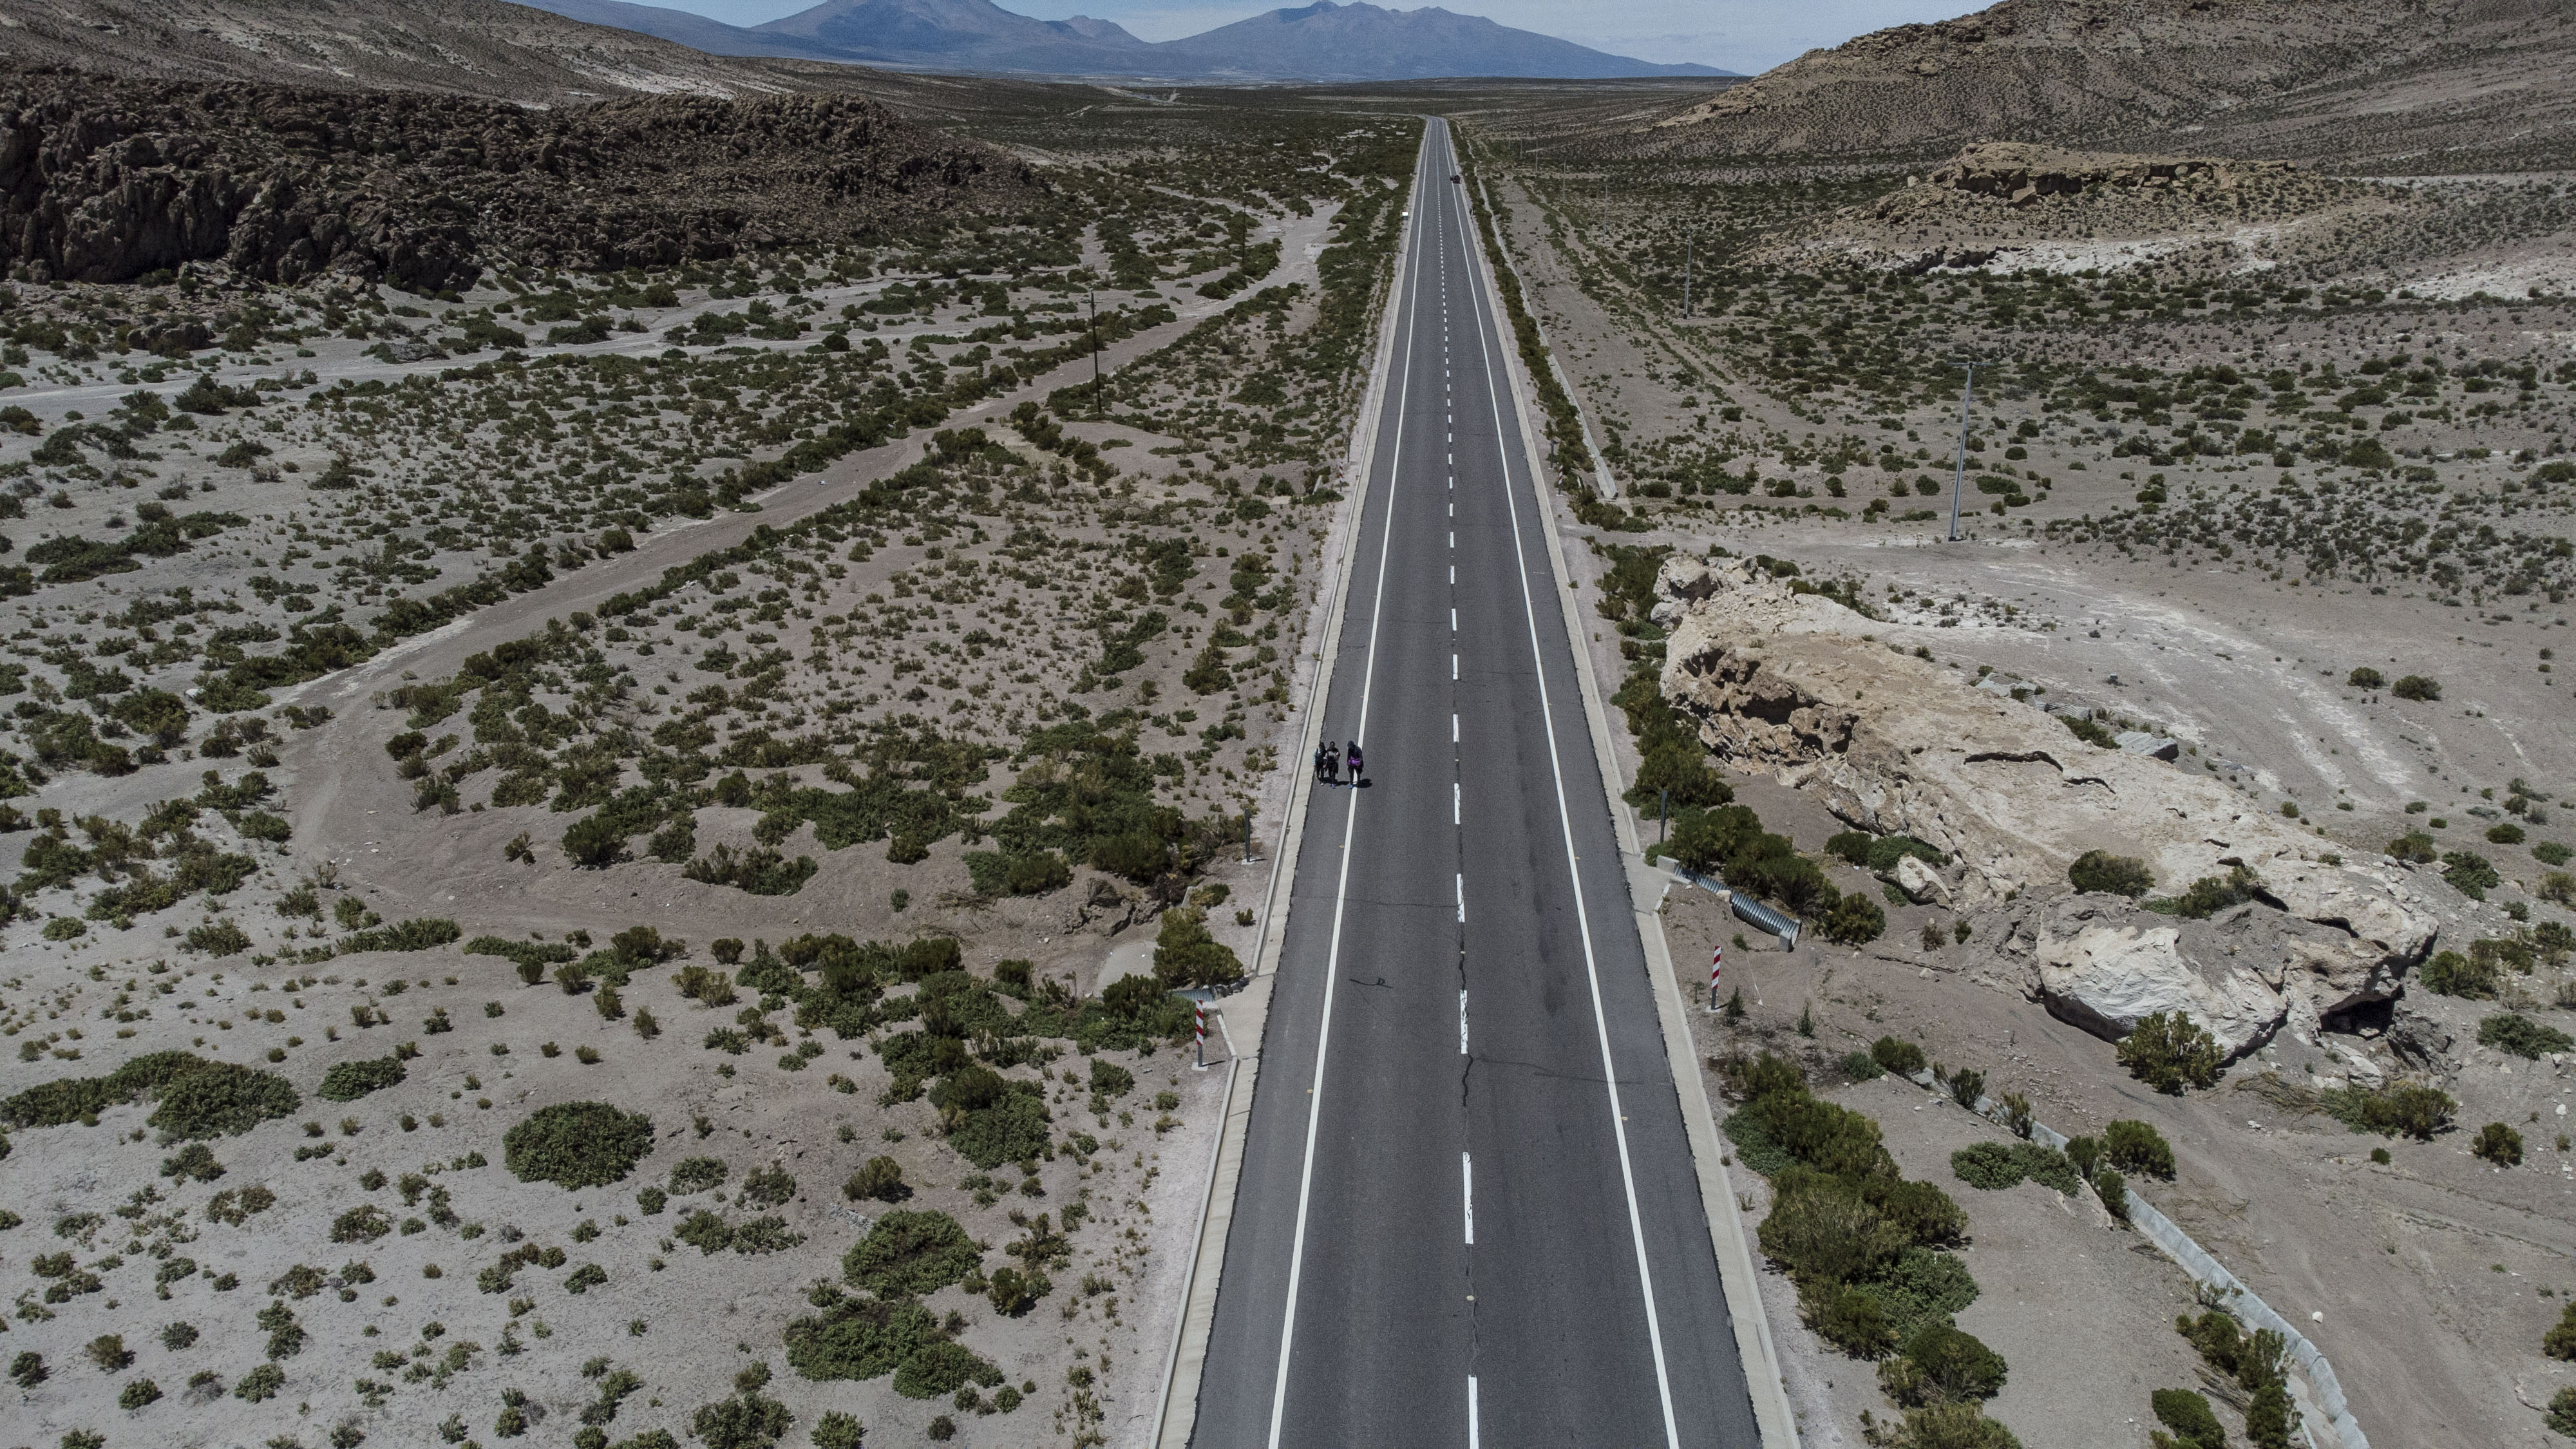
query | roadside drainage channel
[2326, 1396]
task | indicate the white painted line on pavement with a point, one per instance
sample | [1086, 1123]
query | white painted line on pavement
[1462, 1023]
[1466, 1164]
[1341, 891]
[1462, 899]
[1456, 796]
[1471, 1411]
[1582, 915]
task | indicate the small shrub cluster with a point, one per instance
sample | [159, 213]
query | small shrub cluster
[2406, 1108]
[2258, 1362]
[2169, 1051]
[2135, 1146]
[1993, 1166]
[348, 1081]
[2520, 1035]
[2120, 875]
[577, 1144]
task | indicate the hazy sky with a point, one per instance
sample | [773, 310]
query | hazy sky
[1743, 35]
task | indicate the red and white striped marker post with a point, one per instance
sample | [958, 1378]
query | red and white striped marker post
[1716, 969]
[1200, 1010]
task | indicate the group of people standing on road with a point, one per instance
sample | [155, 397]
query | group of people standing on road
[1331, 760]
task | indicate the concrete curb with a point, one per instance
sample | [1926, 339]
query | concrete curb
[1176, 1408]
[1717, 1194]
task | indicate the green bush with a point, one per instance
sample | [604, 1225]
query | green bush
[1950, 1426]
[2114, 1192]
[1990, 1166]
[2560, 1341]
[2420, 688]
[2451, 974]
[2365, 678]
[2119, 875]
[1903, 1058]
[349, 1081]
[1851, 1319]
[942, 1368]
[1923, 1286]
[746, 1421]
[879, 1178]
[697, 1174]
[2048, 1167]
[2211, 894]
[2414, 847]
[2498, 1144]
[2470, 873]
[2168, 1051]
[856, 1338]
[577, 1144]
[2188, 1415]
[2138, 1147]
[2520, 1035]
[911, 1253]
[222, 1099]
[260, 1384]
[1943, 1365]
[1862, 1067]
[1819, 1230]
[1186, 956]
[1854, 920]
[2411, 1109]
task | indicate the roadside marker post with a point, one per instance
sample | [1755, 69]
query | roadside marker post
[1199, 1010]
[1716, 969]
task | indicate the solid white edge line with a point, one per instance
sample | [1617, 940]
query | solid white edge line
[1341, 889]
[1583, 920]
[1471, 1411]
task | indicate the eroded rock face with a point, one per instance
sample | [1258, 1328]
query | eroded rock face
[2020, 173]
[1784, 683]
[102, 180]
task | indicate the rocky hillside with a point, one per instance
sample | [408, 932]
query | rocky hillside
[459, 47]
[2450, 84]
[104, 180]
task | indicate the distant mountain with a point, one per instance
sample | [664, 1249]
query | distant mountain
[1330, 42]
[457, 47]
[1319, 42]
[2403, 84]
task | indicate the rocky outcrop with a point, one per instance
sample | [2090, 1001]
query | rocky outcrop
[2020, 174]
[103, 180]
[1786, 684]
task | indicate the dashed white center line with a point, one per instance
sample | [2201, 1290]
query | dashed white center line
[1462, 1026]
[1453, 669]
[1462, 897]
[1453, 621]
[1453, 729]
[1456, 800]
[1466, 1164]
[1471, 1412]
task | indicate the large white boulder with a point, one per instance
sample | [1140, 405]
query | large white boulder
[2106, 979]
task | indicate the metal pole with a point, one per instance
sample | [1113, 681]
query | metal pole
[1716, 969]
[1200, 1009]
[1959, 481]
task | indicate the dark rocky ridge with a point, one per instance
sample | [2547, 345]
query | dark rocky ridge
[104, 180]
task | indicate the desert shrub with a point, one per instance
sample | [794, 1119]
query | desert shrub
[2451, 974]
[2470, 873]
[109, 1352]
[1950, 1426]
[2048, 1167]
[1817, 1229]
[1851, 1319]
[138, 1394]
[1987, 1165]
[2188, 1415]
[2169, 1051]
[745, 1421]
[989, 1130]
[2498, 1144]
[880, 1179]
[1013, 1292]
[2211, 894]
[349, 1081]
[2561, 1414]
[221, 1098]
[1903, 1058]
[860, 1338]
[2520, 1035]
[705, 1230]
[2420, 688]
[260, 1384]
[2412, 1109]
[1922, 1286]
[1186, 956]
[697, 1174]
[2414, 847]
[942, 1368]
[2560, 1341]
[196, 1162]
[1854, 920]
[1941, 1364]
[1966, 1086]
[2365, 678]
[2119, 875]
[2504, 832]
[2113, 1189]
[911, 1253]
[1862, 1067]
[769, 1186]
[2138, 1147]
[577, 1144]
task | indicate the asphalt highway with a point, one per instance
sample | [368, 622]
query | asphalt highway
[1468, 1212]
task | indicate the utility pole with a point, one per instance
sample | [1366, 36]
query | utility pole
[1093, 294]
[1959, 481]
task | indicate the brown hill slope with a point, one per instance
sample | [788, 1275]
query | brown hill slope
[2434, 85]
[459, 47]
[103, 180]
